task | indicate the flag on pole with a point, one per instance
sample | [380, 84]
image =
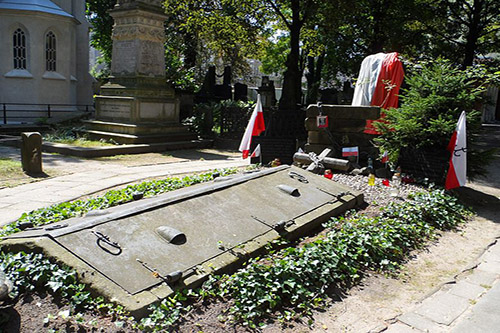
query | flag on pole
[385, 157]
[458, 160]
[256, 152]
[350, 151]
[255, 127]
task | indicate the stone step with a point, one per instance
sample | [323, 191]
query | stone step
[123, 138]
[90, 152]
[135, 129]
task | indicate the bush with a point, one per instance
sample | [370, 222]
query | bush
[437, 92]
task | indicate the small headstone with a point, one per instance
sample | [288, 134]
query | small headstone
[240, 92]
[31, 152]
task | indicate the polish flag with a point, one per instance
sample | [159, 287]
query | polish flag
[385, 157]
[349, 151]
[458, 160]
[254, 128]
[256, 152]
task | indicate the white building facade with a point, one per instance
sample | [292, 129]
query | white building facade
[44, 53]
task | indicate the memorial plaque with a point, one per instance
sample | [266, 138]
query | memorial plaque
[114, 108]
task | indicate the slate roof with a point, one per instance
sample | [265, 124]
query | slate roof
[44, 6]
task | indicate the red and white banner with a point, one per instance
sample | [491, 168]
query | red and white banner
[256, 152]
[457, 171]
[379, 80]
[254, 128]
[385, 158]
[350, 151]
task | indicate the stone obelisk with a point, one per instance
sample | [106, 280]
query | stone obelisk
[137, 92]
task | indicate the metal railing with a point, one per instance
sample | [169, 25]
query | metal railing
[40, 110]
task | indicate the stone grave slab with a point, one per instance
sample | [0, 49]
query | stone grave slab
[142, 251]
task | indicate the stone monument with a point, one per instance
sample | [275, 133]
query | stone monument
[137, 105]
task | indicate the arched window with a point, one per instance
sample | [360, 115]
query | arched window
[19, 45]
[50, 52]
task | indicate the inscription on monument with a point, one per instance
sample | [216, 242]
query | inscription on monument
[152, 58]
[114, 108]
[124, 57]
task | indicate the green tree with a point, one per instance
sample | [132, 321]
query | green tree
[464, 29]
[437, 93]
[101, 26]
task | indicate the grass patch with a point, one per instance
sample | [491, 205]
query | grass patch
[11, 173]
[9, 167]
[70, 136]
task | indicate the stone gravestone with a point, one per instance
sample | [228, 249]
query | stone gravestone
[137, 92]
[267, 93]
[31, 152]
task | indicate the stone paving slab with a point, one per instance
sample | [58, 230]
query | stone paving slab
[443, 308]
[401, 328]
[471, 304]
[484, 317]
[419, 322]
[491, 267]
[482, 278]
[466, 290]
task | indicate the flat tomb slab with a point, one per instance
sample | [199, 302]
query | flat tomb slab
[128, 249]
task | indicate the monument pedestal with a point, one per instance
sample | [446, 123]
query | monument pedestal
[137, 105]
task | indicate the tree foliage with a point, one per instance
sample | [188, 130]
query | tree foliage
[437, 93]
[101, 26]
[463, 29]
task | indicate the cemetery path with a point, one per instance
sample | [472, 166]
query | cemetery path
[75, 177]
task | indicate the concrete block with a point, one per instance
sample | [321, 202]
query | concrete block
[443, 308]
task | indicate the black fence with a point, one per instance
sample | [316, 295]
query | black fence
[27, 111]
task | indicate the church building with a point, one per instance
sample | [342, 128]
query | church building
[44, 58]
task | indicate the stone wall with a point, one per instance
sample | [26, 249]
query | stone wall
[345, 128]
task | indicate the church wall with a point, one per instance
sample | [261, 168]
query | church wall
[71, 83]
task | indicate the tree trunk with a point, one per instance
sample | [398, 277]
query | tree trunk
[291, 91]
[190, 52]
[378, 38]
[313, 76]
[473, 33]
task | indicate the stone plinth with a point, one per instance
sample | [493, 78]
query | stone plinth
[345, 127]
[137, 92]
[137, 100]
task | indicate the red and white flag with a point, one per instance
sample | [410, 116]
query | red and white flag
[255, 127]
[349, 151]
[458, 160]
[256, 152]
[385, 157]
